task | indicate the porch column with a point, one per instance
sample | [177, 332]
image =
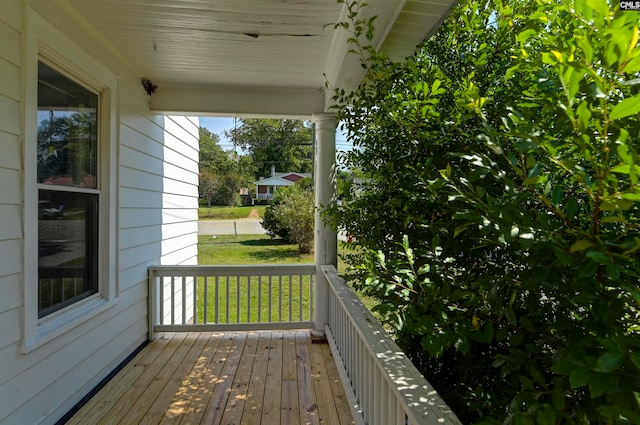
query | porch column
[326, 240]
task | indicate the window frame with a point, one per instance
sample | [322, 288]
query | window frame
[91, 240]
[43, 42]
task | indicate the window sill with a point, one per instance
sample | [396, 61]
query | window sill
[51, 328]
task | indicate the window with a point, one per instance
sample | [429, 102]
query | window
[68, 190]
[70, 261]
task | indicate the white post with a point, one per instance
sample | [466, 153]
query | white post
[326, 240]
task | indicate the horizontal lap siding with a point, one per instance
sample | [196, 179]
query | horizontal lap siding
[159, 179]
[10, 199]
[181, 178]
[157, 224]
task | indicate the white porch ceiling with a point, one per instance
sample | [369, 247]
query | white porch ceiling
[248, 57]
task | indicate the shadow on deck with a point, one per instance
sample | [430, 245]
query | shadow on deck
[262, 377]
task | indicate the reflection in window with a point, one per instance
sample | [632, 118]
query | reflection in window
[67, 239]
[68, 198]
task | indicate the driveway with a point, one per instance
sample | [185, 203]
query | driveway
[230, 227]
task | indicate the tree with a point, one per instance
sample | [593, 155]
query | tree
[291, 215]
[223, 173]
[207, 186]
[67, 145]
[211, 154]
[498, 221]
[284, 144]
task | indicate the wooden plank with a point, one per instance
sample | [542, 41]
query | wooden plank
[163, 401]
[306, 388]
[260, 378]
[339, 396]
[189, 386]
[153, 390]
[209, 379]
[252, 414]
[273, 382]
[238, 393]
[215, 407]
[290, 404]
[133, 400]
[109, 395]
[324, 393]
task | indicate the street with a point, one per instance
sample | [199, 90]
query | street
[230, 227]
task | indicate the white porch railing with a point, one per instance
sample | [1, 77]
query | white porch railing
[385, 387]
[215, 298]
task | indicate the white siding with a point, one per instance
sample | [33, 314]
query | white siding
[10, 192]
[156, 224]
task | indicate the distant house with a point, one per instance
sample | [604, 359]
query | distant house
[267, 186]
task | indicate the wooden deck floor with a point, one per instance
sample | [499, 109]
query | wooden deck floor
[224, 378]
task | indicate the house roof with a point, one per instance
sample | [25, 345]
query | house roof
[291, 173]
[280, 179]
[274, 181]
[248, 57]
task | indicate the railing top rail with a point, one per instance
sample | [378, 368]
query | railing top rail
[409, 385]
[231, 270]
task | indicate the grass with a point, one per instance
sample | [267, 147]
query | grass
[255, 249]
[248, 249]
[279, 299]
[284, 293]
[230, 213]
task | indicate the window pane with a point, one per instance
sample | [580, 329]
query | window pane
[67, 131]
[67, 248]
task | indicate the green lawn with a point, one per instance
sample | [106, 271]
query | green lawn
[254, 249]
[247, 249]
[230, 213]
[288, 296]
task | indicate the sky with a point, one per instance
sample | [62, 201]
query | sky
[218, 125]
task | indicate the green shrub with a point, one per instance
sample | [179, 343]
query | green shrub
[291, 215]
[498, 218]
[270, 222]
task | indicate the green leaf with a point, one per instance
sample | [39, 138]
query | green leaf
[633, 65]
[615, 204]
[510, 315]
[436, 89]
[535, 170]
[581, 245]
[424, 269]
[511, 71]
[599, 384]
[631, 196]
[629, 106]
[600, 6]
[635, 359]
[537, 376]
[610, 362]
[614, 219]
[580, 377]
[598, 257]
[525, 35]
[621, 169]
[584, 115]
[461, 229]
[571, 208]
[556, 195]
[558, 398]
[623, 151]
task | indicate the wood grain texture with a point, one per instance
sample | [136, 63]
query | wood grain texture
[253, 378]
